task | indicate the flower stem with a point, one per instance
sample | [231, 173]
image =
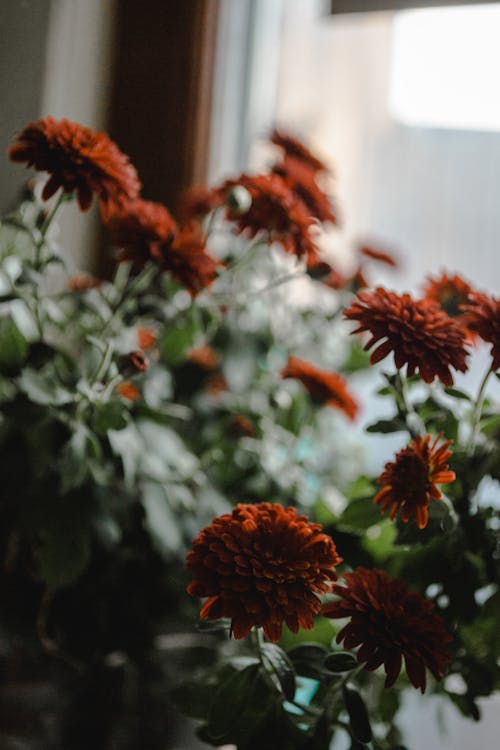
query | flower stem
[45, 228]
[477, 412]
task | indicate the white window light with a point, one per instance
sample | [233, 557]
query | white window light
[445, 68]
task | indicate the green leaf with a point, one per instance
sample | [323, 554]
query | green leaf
[362, 487]
[282, 667]
[490, 425]
[160, 520]
[193, 698]
[13, 346]
[341, 661]
[358, 715]
[456, 393]
[386, 426]
[110, 416]
[178, 338]
[230, 700]
[308, 660]
[360, 515]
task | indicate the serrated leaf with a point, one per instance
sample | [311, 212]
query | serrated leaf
[282, 667]
[358, 715]
[13, 345]
[341, 661]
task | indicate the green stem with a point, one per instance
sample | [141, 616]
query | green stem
[45, 228]
[406, 412]
[477, 412]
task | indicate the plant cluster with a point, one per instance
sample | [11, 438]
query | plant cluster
[184, 426]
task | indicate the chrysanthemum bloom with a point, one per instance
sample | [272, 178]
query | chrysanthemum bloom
[276, 213]
[420, 334]
[82, 282]
[295, 149]
[146, 338]
[450, 293]
[78, 160]
[390, 623]
[302, 181]
[138, 228]
[483, 318]
[324, 387]
[128, 391]
[199, 200]
[378, 255]
[262, 565]
[410, 481]
[185, 257]
[204, 356]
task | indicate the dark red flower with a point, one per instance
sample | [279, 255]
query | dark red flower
[482, 316]
[205, 357]
[389, 622]
[295, 149]
[199, 200]
[303, 183]
[410, 481]
[328, 388]
[378, 255]
[78, 160]
[276, 213]
[450, 293]
[146, 338]
[241, 426]
[185, 257]
[262, 565]
[129, 391]
[139, 228]
[420, 334]
[82, 282]
[216, 384]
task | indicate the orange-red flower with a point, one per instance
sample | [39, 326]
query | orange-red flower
[276, 213]
[262, 565]
[420, 334]
[187, 260]
[204, 356]
[450, 293]
[78, 160]
[410, 481]
[378, 255]
[295, 149]
[198, 200]
[136, 361]
[324, 387]
[389, 622]
[241, 426]
[82, 282]
[146, 338]
[302, 181]
[483, 318]
[129, 391]
[139, 228]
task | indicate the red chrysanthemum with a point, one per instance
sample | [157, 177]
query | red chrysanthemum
[303, 183]
[378, 255]
[450, 293]
[78, 160]
[295, 149]
[324, 387]
[262, 565]
[146, 338]
[205, 357]
[139, 228]
[482, 316]
[275, 211]
[199, 200]
[420, 334]
[389, 622]
[186, 259]
[410, 481]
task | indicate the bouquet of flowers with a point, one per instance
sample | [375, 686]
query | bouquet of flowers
[186, 431]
